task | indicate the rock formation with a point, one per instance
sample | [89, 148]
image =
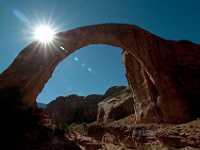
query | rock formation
[115, 104]
[163, 74]
[145, 136]
[74, 109]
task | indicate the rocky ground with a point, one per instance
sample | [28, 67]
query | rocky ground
[118, 136]
[113, 126]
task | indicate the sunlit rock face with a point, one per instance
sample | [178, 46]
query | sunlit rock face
[163, 75]
[117, 104]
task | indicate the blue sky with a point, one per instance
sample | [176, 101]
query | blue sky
[95, 68]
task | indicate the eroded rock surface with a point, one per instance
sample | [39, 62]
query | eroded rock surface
[74, 109]
[116, 105]
[181, 135]
[147, 136]
[163, 74]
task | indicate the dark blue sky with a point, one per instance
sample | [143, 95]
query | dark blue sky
[95, 68]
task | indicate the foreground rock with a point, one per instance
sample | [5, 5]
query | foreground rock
[181, 135]
[30, 130]
[141, 136]
[115, 104]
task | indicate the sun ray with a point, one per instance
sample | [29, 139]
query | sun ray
[44, 34]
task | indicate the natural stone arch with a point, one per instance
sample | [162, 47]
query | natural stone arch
[155, 60]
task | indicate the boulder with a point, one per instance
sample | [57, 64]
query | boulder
[116, 105]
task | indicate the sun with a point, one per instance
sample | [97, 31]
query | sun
[44, 34]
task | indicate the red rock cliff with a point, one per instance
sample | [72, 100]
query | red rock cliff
[163, 75]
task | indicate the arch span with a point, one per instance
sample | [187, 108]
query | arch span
[151, 64]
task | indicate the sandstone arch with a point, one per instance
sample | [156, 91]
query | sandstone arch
[157, 69]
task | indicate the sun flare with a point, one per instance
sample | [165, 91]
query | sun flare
[44, 34]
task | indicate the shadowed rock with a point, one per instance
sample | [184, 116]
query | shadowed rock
[118, 104]
[74, 108]
[163, 74]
